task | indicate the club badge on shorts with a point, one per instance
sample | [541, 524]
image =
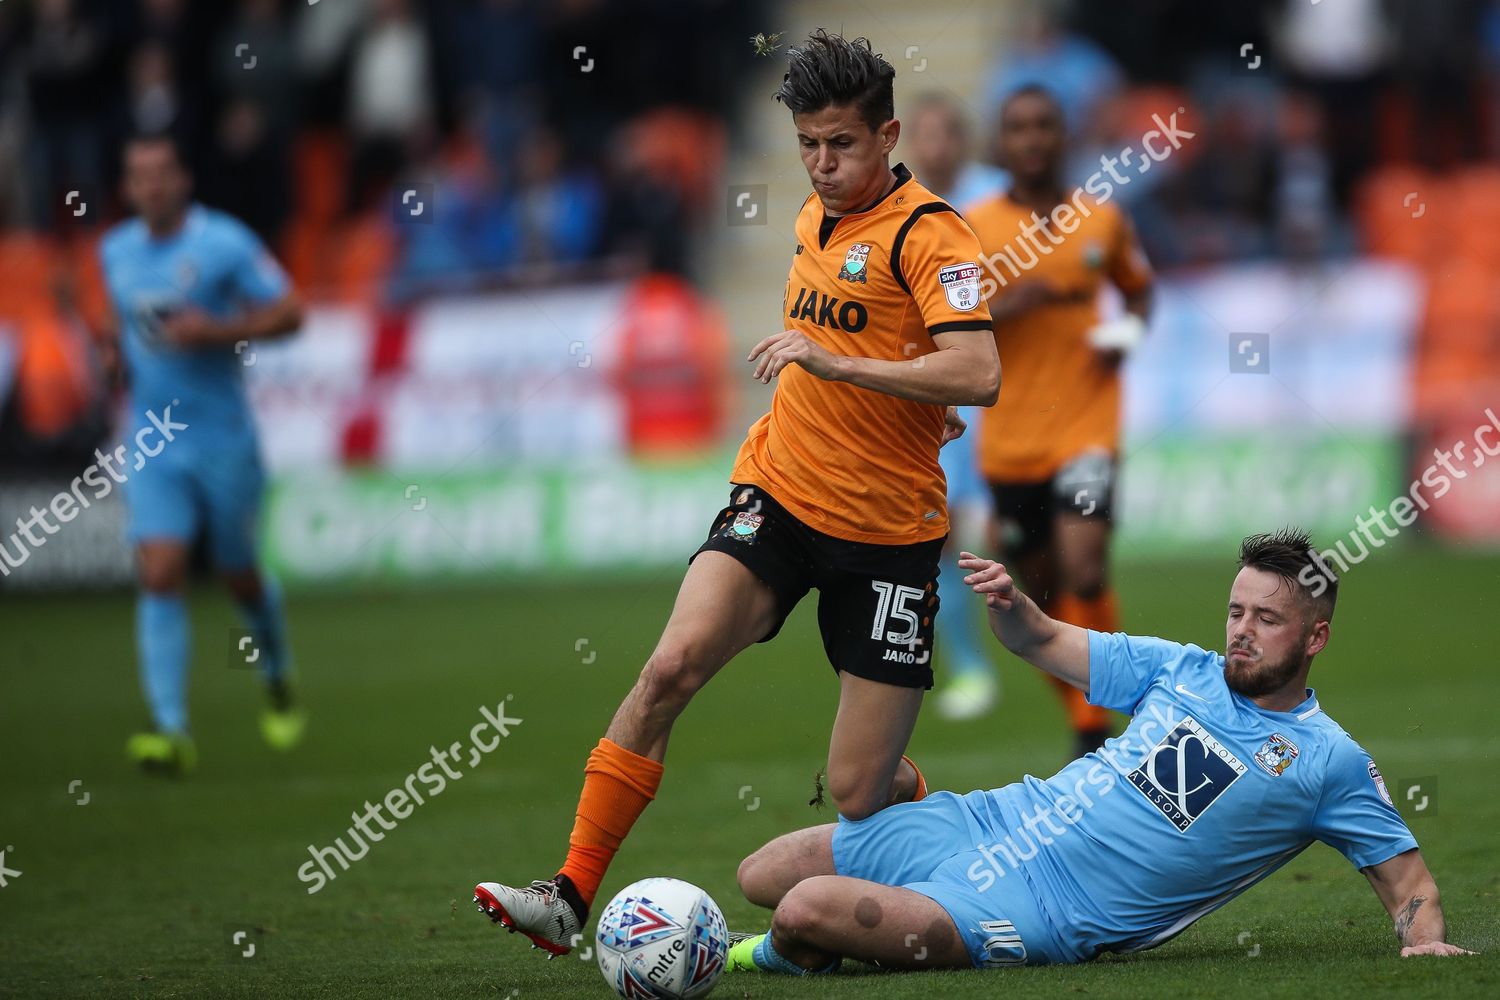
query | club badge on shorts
[960, 282]
[744, 527]
[1276, 754]
[854, 263]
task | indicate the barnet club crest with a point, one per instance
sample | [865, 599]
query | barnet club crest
[854, 263]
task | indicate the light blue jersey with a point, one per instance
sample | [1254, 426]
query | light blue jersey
[209, 479]
[1202, 796]
[206, 479]
[216, 264]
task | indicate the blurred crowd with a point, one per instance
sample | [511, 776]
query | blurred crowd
[1320, 131]
[552, 135]
[1295, 107]
[586, 139]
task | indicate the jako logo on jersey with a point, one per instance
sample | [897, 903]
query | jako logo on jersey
[1276, 754]
[1185, 773]
[960, 283]
[854, 263]
[827, 311]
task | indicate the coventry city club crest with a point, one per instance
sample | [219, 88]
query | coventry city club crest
[854, 268]
[1276, 754]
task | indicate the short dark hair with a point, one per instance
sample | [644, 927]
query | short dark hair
[158, 138]
[1032, 90]
[830, 69]
[1289, 553]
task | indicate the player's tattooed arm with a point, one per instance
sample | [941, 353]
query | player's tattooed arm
[1405, 918]
[1410, 896]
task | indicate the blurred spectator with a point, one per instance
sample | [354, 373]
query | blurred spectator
[1438, 65]
[166, 23]
[558, 210]
[1045, 52]
[648, 211]
[323, 35]
[264, 70]
[1304, 212]
[1338, 52]
[153, 101]
[245, 170]
[12, 117]
[66, 71]
[391, 101]
[496, 50]
[938, 149]
[473, 231]
[1220, 204]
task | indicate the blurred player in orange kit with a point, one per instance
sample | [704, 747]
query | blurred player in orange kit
[938, 144]
[1049, 449]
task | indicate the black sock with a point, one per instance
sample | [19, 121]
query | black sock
[570, 895]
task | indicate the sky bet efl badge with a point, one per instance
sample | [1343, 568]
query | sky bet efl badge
[1276, 754]
[961, 284]
[854, 263]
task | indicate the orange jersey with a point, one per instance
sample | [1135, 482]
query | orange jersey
[879, 283]
[1058, 396]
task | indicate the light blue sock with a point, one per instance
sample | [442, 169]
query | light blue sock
[161, 633]
[960, 624]
[769, 959]
[267, 624]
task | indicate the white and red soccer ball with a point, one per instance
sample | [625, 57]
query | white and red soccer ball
[662, 939]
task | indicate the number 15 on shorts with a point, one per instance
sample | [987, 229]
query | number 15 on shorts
[891, 603]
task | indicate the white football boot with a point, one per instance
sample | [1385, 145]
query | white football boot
[536, 911]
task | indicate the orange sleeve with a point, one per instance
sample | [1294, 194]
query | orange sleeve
[1128, 267]
[936, 259]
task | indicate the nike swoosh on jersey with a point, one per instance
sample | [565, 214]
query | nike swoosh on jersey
[1183, 690]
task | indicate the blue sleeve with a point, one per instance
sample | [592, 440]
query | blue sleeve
[257, 276]
[1122, 667]
[1355, 815]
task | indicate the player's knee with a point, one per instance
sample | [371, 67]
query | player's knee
[161, 576]
[800, 913]
[751, 877]
[673, 674]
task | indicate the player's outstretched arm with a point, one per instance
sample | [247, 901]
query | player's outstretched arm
[963, 371]
[1410, 896]
[1058, 648]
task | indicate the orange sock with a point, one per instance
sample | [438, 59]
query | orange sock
[1099, 614]
[921, 781]
[617, 787]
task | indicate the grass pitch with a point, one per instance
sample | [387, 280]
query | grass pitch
[139, 890]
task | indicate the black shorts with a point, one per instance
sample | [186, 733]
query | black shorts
[876, 603]
[1024, 511]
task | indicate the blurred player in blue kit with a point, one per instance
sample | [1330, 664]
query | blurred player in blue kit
[191, 289]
